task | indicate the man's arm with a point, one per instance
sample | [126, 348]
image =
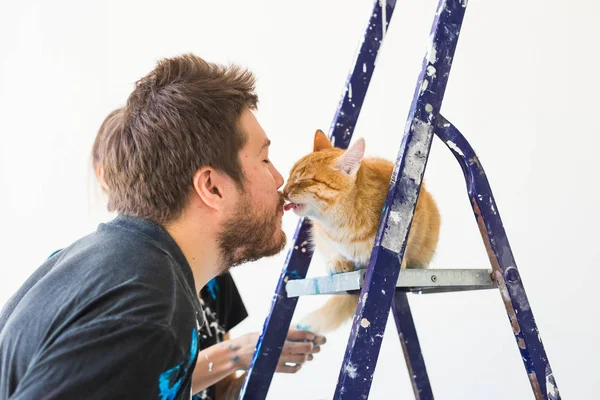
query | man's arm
[110, 358]
[297, 349]
[216, 364]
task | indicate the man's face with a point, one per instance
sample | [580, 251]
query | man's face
[254, 229]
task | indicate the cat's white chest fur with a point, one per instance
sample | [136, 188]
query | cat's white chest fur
[358, 253]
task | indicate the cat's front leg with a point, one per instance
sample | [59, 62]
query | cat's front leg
[340, 265]
[403, 265]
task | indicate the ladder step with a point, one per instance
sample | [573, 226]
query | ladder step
[410, 280]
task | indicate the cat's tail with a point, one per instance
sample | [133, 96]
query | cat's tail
[337, 310]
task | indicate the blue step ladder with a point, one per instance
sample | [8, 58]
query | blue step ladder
[382, 285]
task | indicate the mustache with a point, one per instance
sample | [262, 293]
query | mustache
[281, 200]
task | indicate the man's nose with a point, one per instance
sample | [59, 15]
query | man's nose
[278, 177]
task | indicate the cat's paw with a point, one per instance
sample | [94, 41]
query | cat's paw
[340, 266]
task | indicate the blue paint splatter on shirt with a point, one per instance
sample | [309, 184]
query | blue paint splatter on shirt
[213, 287]
[50, 256]
[169, 382]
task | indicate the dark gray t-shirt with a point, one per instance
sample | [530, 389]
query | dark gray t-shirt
[113, 316]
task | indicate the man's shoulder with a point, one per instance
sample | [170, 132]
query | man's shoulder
[111, 256]
[113, 273]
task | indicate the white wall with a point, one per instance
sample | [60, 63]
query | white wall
[523, 89]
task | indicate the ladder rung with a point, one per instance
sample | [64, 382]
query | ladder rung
[409, 280]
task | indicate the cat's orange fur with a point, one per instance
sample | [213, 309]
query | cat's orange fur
[343, 193]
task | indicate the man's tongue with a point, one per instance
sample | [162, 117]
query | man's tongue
[288, 206]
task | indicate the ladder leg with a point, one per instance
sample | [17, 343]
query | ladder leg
[504, 267]
[266, 355]
[412, 349]
[268, 349]
[368, 326]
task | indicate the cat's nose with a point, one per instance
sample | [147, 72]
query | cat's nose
[286, 192]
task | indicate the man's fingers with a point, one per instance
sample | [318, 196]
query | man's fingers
[293, 358]
[298, 335]
[297, 347]
[288, 369]
[320, 340]
[291, 363]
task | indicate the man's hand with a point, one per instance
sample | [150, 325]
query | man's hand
[299, 347]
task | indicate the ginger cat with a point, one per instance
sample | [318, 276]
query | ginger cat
[343, 195]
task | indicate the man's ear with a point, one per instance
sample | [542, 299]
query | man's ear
[209, 185]
[100, 177]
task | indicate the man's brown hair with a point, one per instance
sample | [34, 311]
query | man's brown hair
[182, 116]
[111, 123]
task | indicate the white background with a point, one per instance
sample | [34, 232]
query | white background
[523, 89]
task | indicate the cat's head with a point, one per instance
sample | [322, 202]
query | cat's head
[319, 180]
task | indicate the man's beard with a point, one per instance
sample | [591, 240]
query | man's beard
[248, 236]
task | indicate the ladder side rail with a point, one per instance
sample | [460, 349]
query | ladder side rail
[270, 343]
[368, 326]
[411, 347]
[504, 267]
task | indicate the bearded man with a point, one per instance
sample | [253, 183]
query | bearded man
[116, 314]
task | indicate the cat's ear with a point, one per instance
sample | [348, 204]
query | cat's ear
[349, 162]
[321, 141]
